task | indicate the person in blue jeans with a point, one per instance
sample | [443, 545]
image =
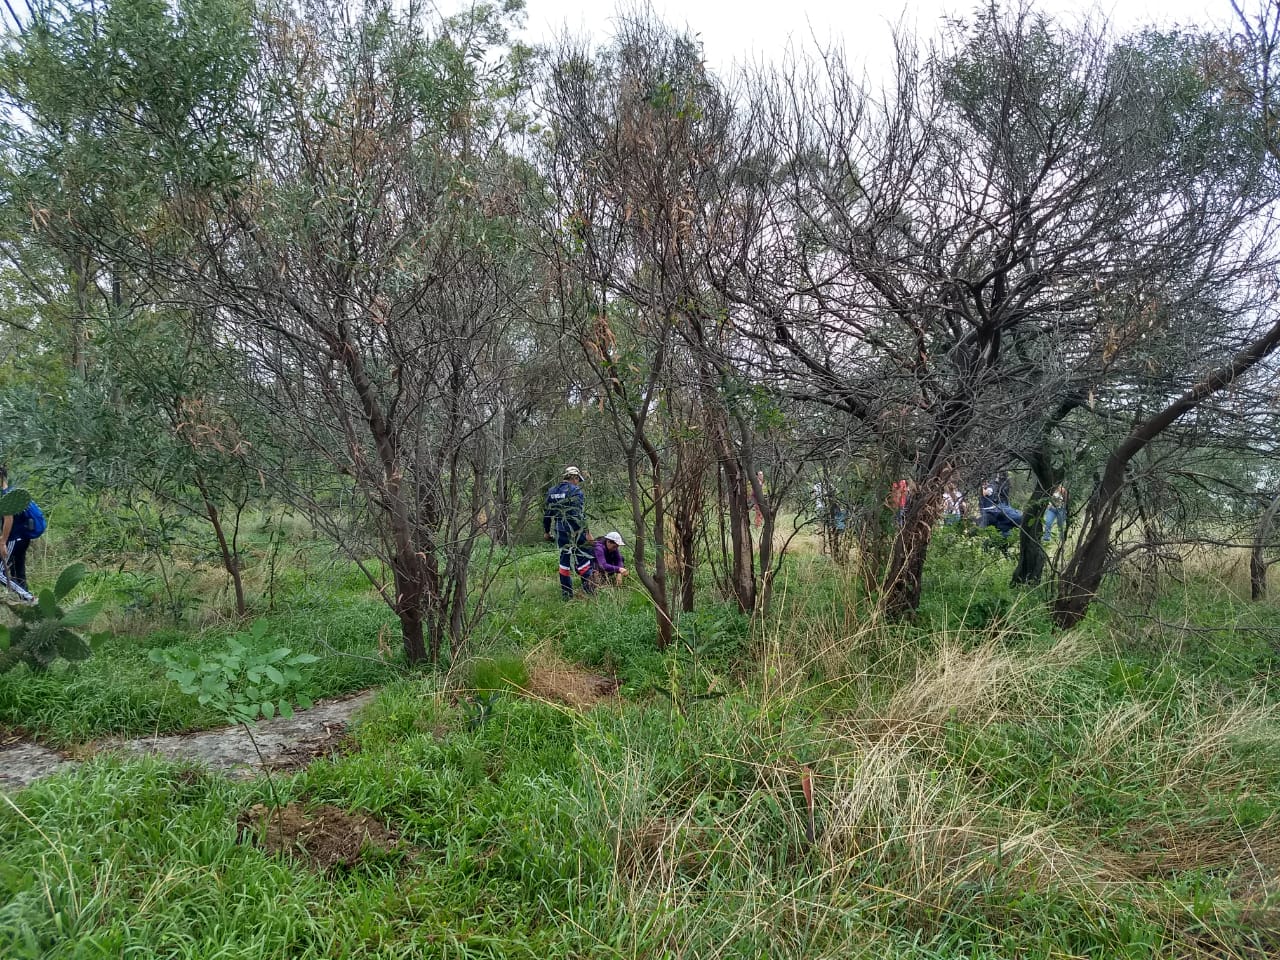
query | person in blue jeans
[1055, 513]
[13, 542]
[565, 520]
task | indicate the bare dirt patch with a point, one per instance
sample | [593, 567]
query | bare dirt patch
[324, 837]
[551, 678]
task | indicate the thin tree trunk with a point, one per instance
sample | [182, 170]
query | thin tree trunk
[1080, 581]
[1257, 559]
[768, 519]
[407, 575]
[1031, 552]
[230, 561]
[655, 582]
[911, 549]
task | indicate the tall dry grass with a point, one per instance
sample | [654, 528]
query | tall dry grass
[909, 835]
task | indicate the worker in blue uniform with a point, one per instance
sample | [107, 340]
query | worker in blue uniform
[565, 517]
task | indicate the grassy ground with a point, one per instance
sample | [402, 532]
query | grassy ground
[981, 787]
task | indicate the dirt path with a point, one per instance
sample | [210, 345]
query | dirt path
[282, 742]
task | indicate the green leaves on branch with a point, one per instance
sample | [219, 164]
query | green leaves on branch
[47, 630]
[14, 502]
[241, 683]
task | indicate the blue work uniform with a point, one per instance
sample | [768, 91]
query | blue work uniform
[566, 511]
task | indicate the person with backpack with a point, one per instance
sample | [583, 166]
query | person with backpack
[16, 534]
[566, 514]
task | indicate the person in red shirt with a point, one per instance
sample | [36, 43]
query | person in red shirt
[899, 496]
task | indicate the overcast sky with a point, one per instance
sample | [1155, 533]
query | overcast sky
[733, 30]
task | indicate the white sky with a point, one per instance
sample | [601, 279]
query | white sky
[734, 30]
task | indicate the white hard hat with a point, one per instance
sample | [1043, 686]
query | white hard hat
[573, 472]
[615, 536]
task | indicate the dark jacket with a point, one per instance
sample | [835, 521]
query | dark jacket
[566, 512]
[608, 561]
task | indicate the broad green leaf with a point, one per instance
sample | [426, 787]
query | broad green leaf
[286, 710]
[268, 709]
[274, 675]
[304, 658]
[304, 702]
[69, 579]
[71, 646]
[14, 502]
[47, 606]
[81, 614]
[258, 630]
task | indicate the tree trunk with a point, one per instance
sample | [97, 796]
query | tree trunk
[686, 509]
[1083, 575]
[1257, 559]
[230, 561]
[768, 519]
[80, 322]
[1031, 553]
[906, 568]
[742, 575]
[458, 606]
[911, 549]
[1080, 582]
[500, 515]
[655, 581]
[408, 606]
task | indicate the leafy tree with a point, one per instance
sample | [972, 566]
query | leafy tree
[369, 268]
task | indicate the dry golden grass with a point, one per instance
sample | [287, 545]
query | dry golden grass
[901, 823]
[976, 684]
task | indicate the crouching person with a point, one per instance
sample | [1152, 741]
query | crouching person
[609, 565]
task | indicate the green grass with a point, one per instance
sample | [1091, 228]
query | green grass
[983, 787]
[119, 692]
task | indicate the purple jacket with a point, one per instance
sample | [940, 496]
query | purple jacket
[602, 557]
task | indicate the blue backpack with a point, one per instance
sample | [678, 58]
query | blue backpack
[31, 522]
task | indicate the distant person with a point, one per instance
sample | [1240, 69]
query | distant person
[566, 514]
[1056, 513]
[953, 506]
[992, 512]
[833, 525]
[899, 497]
[609, 564]
[16, 533]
